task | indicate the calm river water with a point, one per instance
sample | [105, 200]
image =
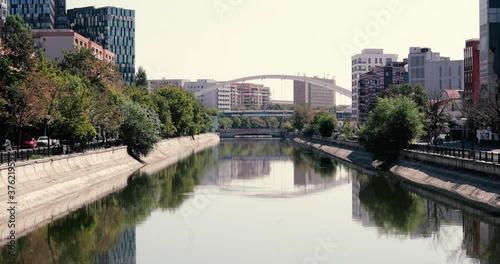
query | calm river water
[265, 201]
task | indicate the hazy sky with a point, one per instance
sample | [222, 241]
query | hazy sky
[227, 39]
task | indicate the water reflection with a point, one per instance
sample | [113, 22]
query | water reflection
[311, 191]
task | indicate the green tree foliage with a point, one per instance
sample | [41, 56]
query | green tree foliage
[18, 40]
[416, 93]
[225, 123]
[237, 122]
[104, 82]
[390, 127]
[272, 122]
[141, 78]
[324, 123]
[186, 113]
[138, 131]
[348, 129]
[72, 116]
[302, 115]
[257, 122]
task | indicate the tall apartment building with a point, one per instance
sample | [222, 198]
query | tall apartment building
[374, 82]
[250, 95]
[61, 17]
[111, 27]
[362, 63]
[472, 81]
[53, 42]
[490, 43]
[4, 9]
[434, 72]
[313, 95]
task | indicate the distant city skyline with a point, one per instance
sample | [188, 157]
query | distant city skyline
[223, 40]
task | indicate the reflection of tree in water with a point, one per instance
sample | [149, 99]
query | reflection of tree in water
[95, 228]
[304, 159]
[392, 208]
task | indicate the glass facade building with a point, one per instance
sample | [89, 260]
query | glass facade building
[111, 27]
[39, 14]
[489, 42]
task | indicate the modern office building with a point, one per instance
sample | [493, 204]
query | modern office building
[490, 42]
[472, 81]
[362, 63]
[40, 14]
[374, 82]
[54, 41]
[313, 95]
[61, 18]
[434, 72]
[111, 27]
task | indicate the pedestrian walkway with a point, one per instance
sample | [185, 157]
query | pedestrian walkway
[482, 146]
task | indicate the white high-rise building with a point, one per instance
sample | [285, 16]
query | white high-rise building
[434, 72]
[362, 63]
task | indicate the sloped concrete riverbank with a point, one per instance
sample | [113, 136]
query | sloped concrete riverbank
[47, 189]
[481, 190]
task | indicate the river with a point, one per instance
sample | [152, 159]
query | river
[265, 201]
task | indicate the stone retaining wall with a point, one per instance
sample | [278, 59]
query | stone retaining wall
[47, 189]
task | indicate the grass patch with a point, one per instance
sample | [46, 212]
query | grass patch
[34, 157]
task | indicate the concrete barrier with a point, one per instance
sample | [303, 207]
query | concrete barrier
[50, 188]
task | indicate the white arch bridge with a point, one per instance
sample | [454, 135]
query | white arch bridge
[328, 84]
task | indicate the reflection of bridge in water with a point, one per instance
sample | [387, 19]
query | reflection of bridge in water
[252, 133]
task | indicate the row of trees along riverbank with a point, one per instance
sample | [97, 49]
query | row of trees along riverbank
[78, 96]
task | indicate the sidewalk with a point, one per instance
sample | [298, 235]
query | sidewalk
[482, 146]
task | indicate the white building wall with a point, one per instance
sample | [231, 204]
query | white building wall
[434, 72]
[362, 63]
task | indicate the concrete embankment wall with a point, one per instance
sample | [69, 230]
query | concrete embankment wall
[169, 152]
[432, 174]
[454, 163]
[47, 189]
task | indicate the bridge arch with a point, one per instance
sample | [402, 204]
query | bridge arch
[315, 81]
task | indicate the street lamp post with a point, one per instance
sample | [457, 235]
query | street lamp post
[464, 121]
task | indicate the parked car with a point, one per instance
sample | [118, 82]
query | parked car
[43, 141]
[5, 144]
[29, 143]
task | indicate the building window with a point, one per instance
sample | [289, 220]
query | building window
[369, 60]
[376, 60]
[440, 71]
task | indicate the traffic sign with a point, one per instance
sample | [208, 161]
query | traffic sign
[447, 129]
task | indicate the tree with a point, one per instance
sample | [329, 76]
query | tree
[415, 92]
[437, 114]
[257, 122]
[390, 127]
[141, 79]
[225, 123]
[301, 116]
[273, 122]
[72, 116]
[324, 123]
[18, 39]
[348, 129]
[138, 131]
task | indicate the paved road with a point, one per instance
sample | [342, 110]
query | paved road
[468, 145]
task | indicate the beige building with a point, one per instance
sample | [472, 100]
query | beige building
[250, 95]
[54, 41]
[313, 95]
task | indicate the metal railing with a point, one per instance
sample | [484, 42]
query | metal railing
[477, 155]
[27, 154]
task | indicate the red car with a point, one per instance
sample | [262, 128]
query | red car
[29, 143]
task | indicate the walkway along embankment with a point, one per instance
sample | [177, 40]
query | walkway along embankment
[476, 188]
[47, 189]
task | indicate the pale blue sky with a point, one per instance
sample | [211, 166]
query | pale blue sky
[192, 39]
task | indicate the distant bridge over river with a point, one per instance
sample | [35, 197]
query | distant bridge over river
[252, 133]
